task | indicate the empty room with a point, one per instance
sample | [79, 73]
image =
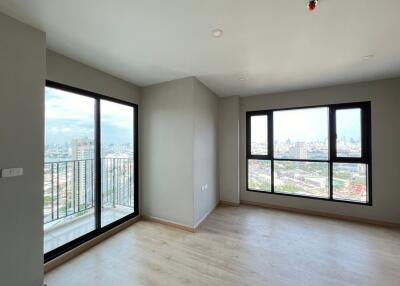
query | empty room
[188, 142]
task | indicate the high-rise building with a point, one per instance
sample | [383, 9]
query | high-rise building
[299, 151]
[82, 148]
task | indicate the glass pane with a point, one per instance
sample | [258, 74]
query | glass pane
[117, 161]
[350, 182]
[69, 168]
[348, 131]
[259, 175]
[259, 135]
[301, 134]
[302, 178]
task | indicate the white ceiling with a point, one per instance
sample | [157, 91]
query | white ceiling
[276, 45]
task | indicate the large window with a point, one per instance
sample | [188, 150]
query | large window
[90, 169]
[318, 152]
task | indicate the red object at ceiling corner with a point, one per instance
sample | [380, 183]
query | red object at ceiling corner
[312, 5]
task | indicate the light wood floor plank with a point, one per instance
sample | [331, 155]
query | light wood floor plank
[243, 245]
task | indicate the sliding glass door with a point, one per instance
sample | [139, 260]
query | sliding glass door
[69, 169]
[117, 161]
[90, 169]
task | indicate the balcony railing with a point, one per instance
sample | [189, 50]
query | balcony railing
[69, 186]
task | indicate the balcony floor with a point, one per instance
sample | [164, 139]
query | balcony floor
[71, 228]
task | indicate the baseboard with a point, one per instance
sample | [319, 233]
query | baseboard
[231, 204]
[323, 214]
[168, 223]
[87, 245]
[198, 224]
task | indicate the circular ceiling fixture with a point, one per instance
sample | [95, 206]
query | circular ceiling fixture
[217, 33]
[312, 5]
[368, 57]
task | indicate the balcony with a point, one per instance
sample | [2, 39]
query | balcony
[69, 197]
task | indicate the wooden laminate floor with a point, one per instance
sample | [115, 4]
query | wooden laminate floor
[241, 246]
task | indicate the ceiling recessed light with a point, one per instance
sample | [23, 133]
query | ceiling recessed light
[217, 33]
[368, 57]
[241, 77]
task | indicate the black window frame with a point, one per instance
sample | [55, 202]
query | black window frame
[99, 230]
[366, 154]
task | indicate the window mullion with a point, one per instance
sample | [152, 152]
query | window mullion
[332, 147]
[98, 166]
[365, 121]
[248, 135]
[271, 147]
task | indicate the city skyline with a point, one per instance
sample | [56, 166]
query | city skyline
[290, 125]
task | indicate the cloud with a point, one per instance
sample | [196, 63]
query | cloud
[70, 115]
[68, 106]
[66, 130]
[115, 114]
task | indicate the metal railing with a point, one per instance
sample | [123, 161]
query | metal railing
[69, 186]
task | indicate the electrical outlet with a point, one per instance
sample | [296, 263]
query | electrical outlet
[12, 172]
[204, 187]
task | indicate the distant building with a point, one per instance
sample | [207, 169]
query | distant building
[82, 148]
[316, 182]
[299, 151]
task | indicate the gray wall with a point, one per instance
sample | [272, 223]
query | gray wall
[167, 151]
[385, 103]
[67, 71]
[22, 78]
[205, 156]
[179, 151]
[229, 149]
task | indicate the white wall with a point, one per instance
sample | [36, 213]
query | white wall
[385, 104]
[229, 149]
[179, 151]
[22, 78]
[205, 156]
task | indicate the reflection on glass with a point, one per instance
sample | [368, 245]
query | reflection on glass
[259, 135]
[117, 161]
[302, 178]
[301, 134]
[348, 130]
[350, 182]
[259, 175]
[69, 169]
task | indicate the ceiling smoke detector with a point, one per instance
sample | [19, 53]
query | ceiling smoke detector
[217, 33]
[368, 57]
[241, 77]
[312, 5]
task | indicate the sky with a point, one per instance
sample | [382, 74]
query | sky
[298, 125]
[348, 123]
[70, 116]
[309, 124]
